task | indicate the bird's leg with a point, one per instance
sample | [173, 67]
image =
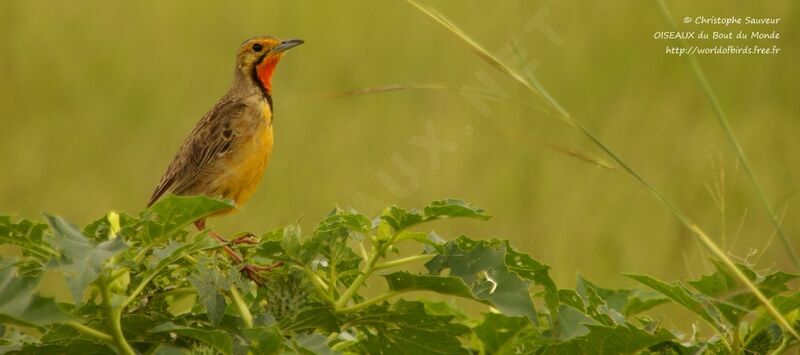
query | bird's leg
[250, 270]
[247, 238]
[200, 224]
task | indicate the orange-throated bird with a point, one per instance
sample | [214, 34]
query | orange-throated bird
[227, 151]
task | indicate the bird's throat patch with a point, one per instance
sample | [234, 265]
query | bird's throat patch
[265, 69]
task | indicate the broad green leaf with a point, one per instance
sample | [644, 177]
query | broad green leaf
[271, 245]
[164, 349]
[30, 237]
[446, 285]
[14, 340]
[405, 328]
[79, 260]
[315, 317]
[328, 246]
[210, 284]
[628, 302]
[764, 341]
[343, 221]
[312, 344]
[735, 301]
[571, 323]
[623, 339]
[451, 208]
[429, 239]
[217, 339]
[99, 230]
[18, 300]
[506, 335]
[75, 347]
[171, 214]
[264, 340]
[400, 219]
[528, 268]
[681, 295]
[598, 309]
[784, 305]
[482, 267]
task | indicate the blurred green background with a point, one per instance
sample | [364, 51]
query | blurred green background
[96, 97]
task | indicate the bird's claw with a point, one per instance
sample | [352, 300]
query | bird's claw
[253, 271]
[248, 238]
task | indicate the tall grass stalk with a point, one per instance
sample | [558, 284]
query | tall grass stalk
[536, 87]
[722, 118]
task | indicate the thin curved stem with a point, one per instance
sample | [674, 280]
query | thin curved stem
[114, 320]
[403, 261]
[94, 333]
[241, 307]
[371, 301]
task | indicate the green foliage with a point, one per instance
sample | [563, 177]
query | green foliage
[150, 284]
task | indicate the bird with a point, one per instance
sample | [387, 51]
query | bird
[227, 152]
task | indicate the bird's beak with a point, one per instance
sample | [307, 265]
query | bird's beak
[286, 45]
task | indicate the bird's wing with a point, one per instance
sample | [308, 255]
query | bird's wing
[212, 138]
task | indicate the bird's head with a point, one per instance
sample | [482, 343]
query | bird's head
[257, 58]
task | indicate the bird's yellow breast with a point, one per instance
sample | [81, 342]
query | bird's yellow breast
[247, 164]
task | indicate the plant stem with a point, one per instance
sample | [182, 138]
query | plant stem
[368, 269]
[371, 301]
[241, 307]
[403, 261]
[319, 285]
[114, 319]
[177, 292]
[94, 333]
[333, 276]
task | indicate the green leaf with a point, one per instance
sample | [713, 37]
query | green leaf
[405, 328]
[765, 340]
[446, 285]
[210, 284]
[264, 340]
[312, 344]
[164, 349]
[684, 297]
[482, 267]
[572, 322]
[217, 339]
[328, 246]
[316, 317]
[79, 260]
[451, 208]
[172, 214]
[528, 268]
[401, 219]
[342, 221]
[30, 237]
[18, 300]
[784, 305]
[623, 339]
[500, 334]
[735, 301]
[629, 302]
[99, 230]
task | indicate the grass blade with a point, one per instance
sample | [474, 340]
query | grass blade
[534, 85]
[722, 118]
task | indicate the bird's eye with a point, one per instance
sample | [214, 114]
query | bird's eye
[257, 47]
